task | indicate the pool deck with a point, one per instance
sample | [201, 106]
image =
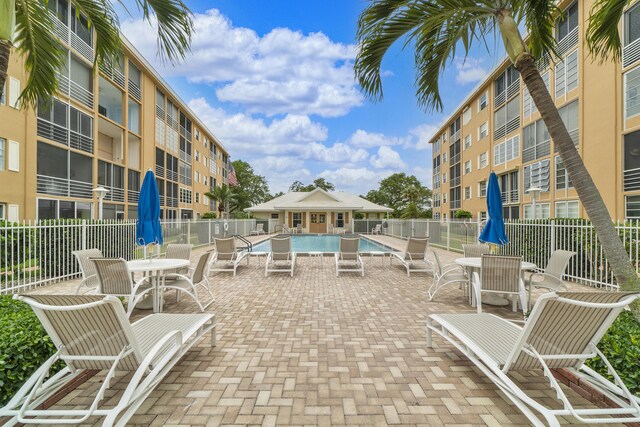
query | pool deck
[315, 349]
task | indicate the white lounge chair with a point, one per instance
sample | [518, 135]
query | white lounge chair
[348, 258]
[330, 229]
[562, 332]
[280, 259]
[414, 256]
[259, 230]
[501, 275]
[88, 270]
[551, 277]
[93, 332]
[446, 275]
[377, 229]
[226, 256]
[190, 282]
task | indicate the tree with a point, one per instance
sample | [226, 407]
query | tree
[223, 195]
[411, 211]
[317, 183]
[436, 28]
[251, 190]
[29, 24]
[296, 186]
[397, 191]
[462, 214]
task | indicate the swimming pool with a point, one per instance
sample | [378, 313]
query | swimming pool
[321, 243]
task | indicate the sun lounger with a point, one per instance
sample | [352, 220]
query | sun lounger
[414, 256]
[562, 332]
[280, 259]
[226, 256]
[348, 258]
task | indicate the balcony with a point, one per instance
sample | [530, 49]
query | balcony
[568, 42]
[631, 179]
[454, 182]
[72, 39]
[61, 135]
[455, 136]
[133, 196]
[135, 91]
[159, 112]
[63, 187]
[171, 202]
[115, 194]
[159, 171]
[113, 73]
[510, 197]
[171, 175]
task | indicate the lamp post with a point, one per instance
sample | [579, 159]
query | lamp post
[100, 192]
[534, 192]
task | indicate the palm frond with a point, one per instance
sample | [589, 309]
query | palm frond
[603, 38]
[103, 19]
[175, 26]
[539, 19]
[43, 54]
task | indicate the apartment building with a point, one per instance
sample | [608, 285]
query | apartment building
[498, 128]
[102, 129]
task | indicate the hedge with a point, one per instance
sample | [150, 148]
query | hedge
[24, 346]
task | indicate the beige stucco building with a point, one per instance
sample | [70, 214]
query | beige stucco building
[497, 128]
[106, 129]
[317, 211]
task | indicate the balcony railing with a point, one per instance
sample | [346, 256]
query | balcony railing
[133, 196]
[510, 196]
[506, 129]
[63, 187]
[80, 142]
[455, 136]
[455, 204]
[134, 90]
[115, 194]
[454, 182]
[171, 175]
[80, 94]
[631, 179]
[113, 73]
[60, 134]
[70, 38]
[568, 42]
[172, 202]
[159, 112]
[159, 171]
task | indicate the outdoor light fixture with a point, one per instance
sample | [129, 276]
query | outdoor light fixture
[100, 192]
[534, 192]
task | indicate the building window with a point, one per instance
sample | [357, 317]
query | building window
[3, 212]
[506, 85]
[3, 150]
[483, 161]
[467, 193]
[563, 181]
[454, 130]
[507, 118]
[569, 115]
[444, 157]
[632, 207]
[185, 196]
[506, 151]
[467, 142]
[444, 197]
[483, 216]
[536, 141]
[483, 130]
[444, 177]
[528, 106]
[543, 211]
[567, 74]
[567, 22]
[467, 167]
[567, 209]
[297, 219]
[436, 200]
[631, 92]
[275, 216]
[482, 189]
[134, 117]
[537, 175]
[63, 209]
[482, 101]
[197, 197]
[340, 219]
[466, 116]
[631, 161]
[110, 101]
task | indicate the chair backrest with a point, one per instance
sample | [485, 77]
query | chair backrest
[87, 268]
[416, 248]
[347, 226]
[567, 323]
[475, 250]
[201, 267]
[558, 263]
[378, 227]
[330, 228]
[259, 227]
[281, 248]
[114, 277]
[87, 325]
[179, 251]
[299, 228]
[226, 248]
[501, 273]
[438, 263]
[349, 247]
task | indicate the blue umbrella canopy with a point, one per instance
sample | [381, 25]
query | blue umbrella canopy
[493, 231]
[148, 228]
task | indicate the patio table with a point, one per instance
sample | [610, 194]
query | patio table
[471, 264]
[155, 269]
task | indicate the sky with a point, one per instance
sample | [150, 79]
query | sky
[274, 82]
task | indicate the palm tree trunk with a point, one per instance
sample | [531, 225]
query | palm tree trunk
[588, 193]
[7, 24]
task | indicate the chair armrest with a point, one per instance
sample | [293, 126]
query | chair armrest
[451, 267]
[548, 281]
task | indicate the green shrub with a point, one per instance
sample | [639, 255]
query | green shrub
[462, 214]
[621, 345]
[209, 215]
[24, 346]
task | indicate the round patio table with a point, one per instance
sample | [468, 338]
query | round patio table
[155, 270]
[471, 264]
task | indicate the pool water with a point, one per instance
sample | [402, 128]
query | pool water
[320, 243]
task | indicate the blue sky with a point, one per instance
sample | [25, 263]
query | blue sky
[274, 82]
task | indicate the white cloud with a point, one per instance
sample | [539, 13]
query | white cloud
[387, 158]
[362, 138]
[470, 70]
[283, 71]
[424, 133]
[425, 175]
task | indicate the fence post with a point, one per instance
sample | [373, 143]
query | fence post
[448, 235]
[413, 227]
[84, 234]
[189, 231]
[209, 234]
[552, 240]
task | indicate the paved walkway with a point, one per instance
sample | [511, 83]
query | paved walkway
[319, 350]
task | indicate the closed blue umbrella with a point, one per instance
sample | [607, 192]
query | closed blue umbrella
[493, 231]
[148, 228]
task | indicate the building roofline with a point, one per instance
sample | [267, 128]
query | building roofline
[140, 58]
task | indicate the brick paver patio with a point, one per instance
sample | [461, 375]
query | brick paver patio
[319, 350]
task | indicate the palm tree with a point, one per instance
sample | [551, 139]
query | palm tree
[438, 29]
[224, 195]
[29, 26]
[411, 211]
